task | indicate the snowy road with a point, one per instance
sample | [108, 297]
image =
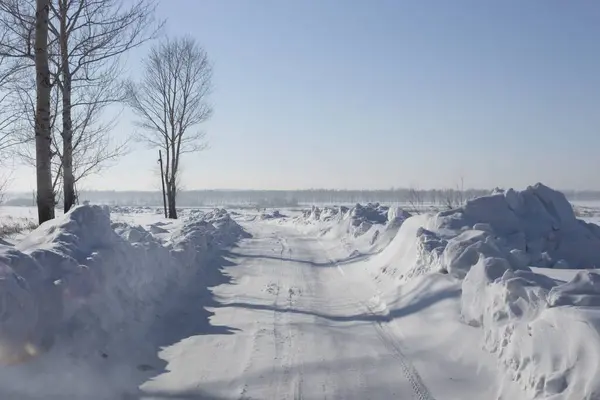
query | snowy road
[295, 325]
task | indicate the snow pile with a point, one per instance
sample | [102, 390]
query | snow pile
[582, 290]
[362, 229]
[355, 221]
[81, 276]
[326, 214]
[396, 216]
[274, 215]
[534, 227]
[134, 210]
[546, 333]
[193, 213]
[371, 213]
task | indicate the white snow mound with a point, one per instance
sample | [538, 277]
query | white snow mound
[546, 333]
[534, 227]
[546, 336]
[355, 221]
[78, 270]
[537, 225]
[362, 229]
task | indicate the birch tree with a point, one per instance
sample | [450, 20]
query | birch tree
[170, 102]
[94, 149]
[43, 138]
[9, 111]
[87, 40]
[92, 36]
[25, 43]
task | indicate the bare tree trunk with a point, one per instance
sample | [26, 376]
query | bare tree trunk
[43, 137]
[170, 100]
[67, 129]
[171, 198]
[162, 181]
[173, 181]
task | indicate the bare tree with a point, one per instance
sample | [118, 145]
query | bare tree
[26, 46]
[18, 24]
[93, 148]
[24, 29]
[9, 113]
[457, 197]
[92, 35]
[415, 200]
[11, 68]
[43, 137]
[170, 101]
[87, 39]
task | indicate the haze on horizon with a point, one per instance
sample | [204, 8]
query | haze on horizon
[350, 94]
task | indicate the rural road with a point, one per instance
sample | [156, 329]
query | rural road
[298, 326]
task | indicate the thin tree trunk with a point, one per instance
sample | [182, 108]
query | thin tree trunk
[171, 194]
[162, 181]
[173, 173]
[67, 132]
[43, 138]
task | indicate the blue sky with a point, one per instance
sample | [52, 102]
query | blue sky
[375, 94]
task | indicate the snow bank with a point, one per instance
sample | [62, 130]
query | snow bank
[135, 210]
[274, 215]
[81, 276]
[357, 220]
[546, 333]
[546, 336]
[534, 227]
[362, 229]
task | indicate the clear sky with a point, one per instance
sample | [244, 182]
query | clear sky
[386, 93]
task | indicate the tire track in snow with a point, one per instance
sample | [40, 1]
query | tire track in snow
[295, 381]
[273, 288]
[410, 372]
[248, 364]
[390, 341]
[277, 337]
[330, 385]
[283, 332]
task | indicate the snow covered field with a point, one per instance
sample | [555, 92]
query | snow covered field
[493, 300]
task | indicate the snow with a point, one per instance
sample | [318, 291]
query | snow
[500, 247]
[497, 299]
[306, 326]
[273, 215]
[582, 290]
[91, 284]
[540, 332]
[361, 230]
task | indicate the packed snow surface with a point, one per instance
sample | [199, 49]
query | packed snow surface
[496, 299]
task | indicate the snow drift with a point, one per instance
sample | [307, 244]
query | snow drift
[273, 215]
[360, 229]
[546, 333]
[359, 218]
[81, 276]
[355, 221]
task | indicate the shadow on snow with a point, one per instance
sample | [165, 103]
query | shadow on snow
[330, 263]
[112, 365]
[413, 307]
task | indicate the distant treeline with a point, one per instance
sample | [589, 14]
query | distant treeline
[285, 198]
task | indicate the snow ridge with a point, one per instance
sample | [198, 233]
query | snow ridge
[546, 333]
[80, 271]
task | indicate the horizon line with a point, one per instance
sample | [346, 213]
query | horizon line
[300, 190]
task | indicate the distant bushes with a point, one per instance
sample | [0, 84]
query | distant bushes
[10, 226]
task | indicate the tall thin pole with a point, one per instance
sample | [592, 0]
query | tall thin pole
[162, 181]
